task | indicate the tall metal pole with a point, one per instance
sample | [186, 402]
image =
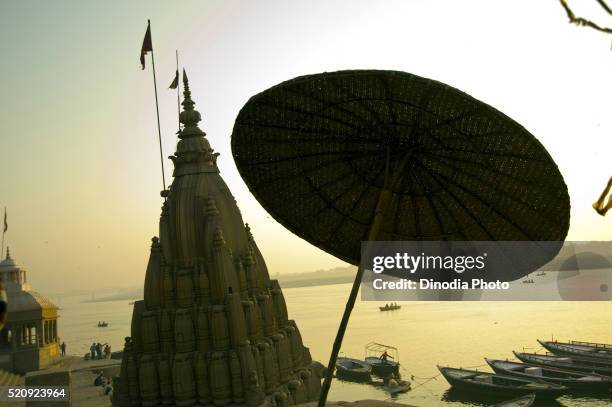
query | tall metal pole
[161, 154]
[178, 93]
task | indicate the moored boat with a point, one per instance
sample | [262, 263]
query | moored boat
[499, 385]
[574, 363]
[353, 369]
[397, 386]
[591, 350]
[572, 380]
[384, 359]
[524, 401]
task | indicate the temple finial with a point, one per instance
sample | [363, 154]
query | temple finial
[8, 253]
[189, 117]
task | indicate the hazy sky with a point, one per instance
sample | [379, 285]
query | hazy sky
[79, 166]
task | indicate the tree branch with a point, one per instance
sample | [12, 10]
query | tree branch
[605, 6]
[583, 22]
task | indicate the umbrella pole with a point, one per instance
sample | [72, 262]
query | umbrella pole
[383, 201]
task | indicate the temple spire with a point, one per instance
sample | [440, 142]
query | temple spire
[193, 151]
[8, 253]
[189, 117]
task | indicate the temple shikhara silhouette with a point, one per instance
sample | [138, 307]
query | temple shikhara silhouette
[213, 327]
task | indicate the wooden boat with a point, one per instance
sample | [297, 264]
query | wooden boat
[591, 350]
[524, 401]
[397, 386]
[573, 363]
[391, 307]
[353, 369]
[380, 366]
[572, 380]
[499, 385]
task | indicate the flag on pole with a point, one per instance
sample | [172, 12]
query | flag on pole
[147, 45]
[5, 223]
[175, 81]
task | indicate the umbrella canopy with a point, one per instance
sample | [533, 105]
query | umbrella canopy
[315, 151]
[344, 157]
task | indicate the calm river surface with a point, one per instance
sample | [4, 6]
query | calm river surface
[426, 333]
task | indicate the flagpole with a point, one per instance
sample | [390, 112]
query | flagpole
[178, 93]
[3, 232]
[161, 154]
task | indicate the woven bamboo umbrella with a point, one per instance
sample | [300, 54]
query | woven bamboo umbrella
[350, 156]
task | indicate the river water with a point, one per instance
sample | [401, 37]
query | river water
[457, 334]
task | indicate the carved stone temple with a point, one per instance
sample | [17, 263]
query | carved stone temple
[213, 328]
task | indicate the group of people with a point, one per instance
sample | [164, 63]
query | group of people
[100, 351]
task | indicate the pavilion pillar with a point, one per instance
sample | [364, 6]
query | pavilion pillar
[18, 334]
[40, 334]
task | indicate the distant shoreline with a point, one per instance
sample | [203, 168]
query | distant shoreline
[317, 278]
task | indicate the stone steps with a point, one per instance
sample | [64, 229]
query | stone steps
[10, 379]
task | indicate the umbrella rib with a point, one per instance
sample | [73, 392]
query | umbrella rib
[357, 99]
[447, 148]
[430, 198]
[323, 198]
[492, 185]
[364, 180]
[459, 201]
[490, 169]
[284, 159]
[470, 192]
[355, 203]
[326, 104]
[307, 171]
[302, 130]
[489, 153]
[314, 115]
[455, 118]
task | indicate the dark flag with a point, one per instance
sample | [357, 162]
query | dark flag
[175, 81]
[147, 45]
[5, 224]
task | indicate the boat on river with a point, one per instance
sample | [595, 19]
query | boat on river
[353, 369]
[499, 385]
[591, 350]
[573, 363]
[524, 401]
[397, 386]
[591, 382]
[390, 307]
[382, 366]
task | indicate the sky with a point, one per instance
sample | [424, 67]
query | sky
[79, 159]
